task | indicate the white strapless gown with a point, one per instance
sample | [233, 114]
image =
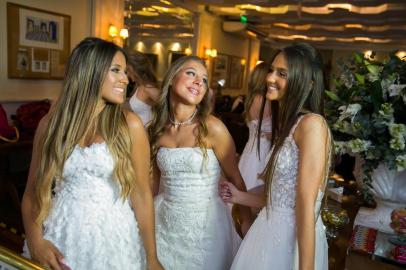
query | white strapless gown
[271, 241]
[88, 222]
[253, 162]
[194, 229]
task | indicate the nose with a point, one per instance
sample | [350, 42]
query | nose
[124, 78]
[198, 80]
[270, 78]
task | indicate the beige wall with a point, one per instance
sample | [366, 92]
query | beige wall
[16, 90]
[212, 36]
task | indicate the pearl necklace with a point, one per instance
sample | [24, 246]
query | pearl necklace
[184, 123]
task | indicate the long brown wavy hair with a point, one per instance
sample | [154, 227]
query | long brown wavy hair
[74, 116]
[304, 92]
[143, 72]
[161, 110]
[256, 85]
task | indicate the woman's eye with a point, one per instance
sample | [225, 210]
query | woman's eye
[205, 81]
[190, 73]
[283, 74]
[115, 70]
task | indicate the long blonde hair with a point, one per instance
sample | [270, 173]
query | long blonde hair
[71, 117]
[161, 109]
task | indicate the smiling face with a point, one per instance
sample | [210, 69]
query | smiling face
[277, 78]
[115, 82]
[190, 84]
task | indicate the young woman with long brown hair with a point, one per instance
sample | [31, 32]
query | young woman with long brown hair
[88, 199]
[288, 232]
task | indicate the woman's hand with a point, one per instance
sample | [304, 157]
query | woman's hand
[229, 193]
[154, 265]
[47, 254]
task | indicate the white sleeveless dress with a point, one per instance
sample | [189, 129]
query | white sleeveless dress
[88, 222]
[142, 109]
[194, 230]
[251, 161]
[271, 241]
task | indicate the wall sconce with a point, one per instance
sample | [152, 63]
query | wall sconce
[116, 37]
[113, 31]
[210, 53]
[188, 51]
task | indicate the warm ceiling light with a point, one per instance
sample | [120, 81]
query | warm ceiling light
[251, 34]
[353, 26]
[166, 2]
[176, 46]
[401, 55]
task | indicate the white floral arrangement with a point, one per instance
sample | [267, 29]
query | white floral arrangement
[367, 112]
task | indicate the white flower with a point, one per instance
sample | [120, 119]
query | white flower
[396, 89]
[349, 111]
[397, 143]
[340, 147]
[358, 145]
[401, 162]
[397, 130]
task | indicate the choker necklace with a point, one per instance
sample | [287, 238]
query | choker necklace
[184, 123]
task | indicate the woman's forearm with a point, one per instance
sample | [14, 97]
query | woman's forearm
[33, 230]
[251, 199]
[144, 211]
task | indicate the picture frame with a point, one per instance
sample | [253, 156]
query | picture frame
[220, 70]
[38, 42]
[236, 72]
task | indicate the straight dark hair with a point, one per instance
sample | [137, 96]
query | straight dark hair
[304, 92]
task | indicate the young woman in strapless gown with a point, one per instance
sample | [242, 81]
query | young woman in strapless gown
[288, 232]
[88, 203]
[253, 158]
[190, 147]
[143, 88]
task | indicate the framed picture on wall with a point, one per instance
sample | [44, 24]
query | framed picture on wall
[220, 69]
[236, 74]
[38, 42]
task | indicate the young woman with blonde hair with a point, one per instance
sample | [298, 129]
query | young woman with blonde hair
[88, 193]
[190, 147]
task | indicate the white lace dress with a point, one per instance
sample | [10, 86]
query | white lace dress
[194, 229]
[253, 162]
[88, 222]
[271, 241]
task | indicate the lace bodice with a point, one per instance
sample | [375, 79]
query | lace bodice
[193, 225]
[186, 176]
[285, 176]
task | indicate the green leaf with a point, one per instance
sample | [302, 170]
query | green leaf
[332, 95]
[373, 69]
[358, 58]
[360, 78]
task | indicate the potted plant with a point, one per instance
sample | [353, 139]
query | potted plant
[367, 115]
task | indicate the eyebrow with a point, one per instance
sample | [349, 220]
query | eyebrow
[279, 68]
[204, 75]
